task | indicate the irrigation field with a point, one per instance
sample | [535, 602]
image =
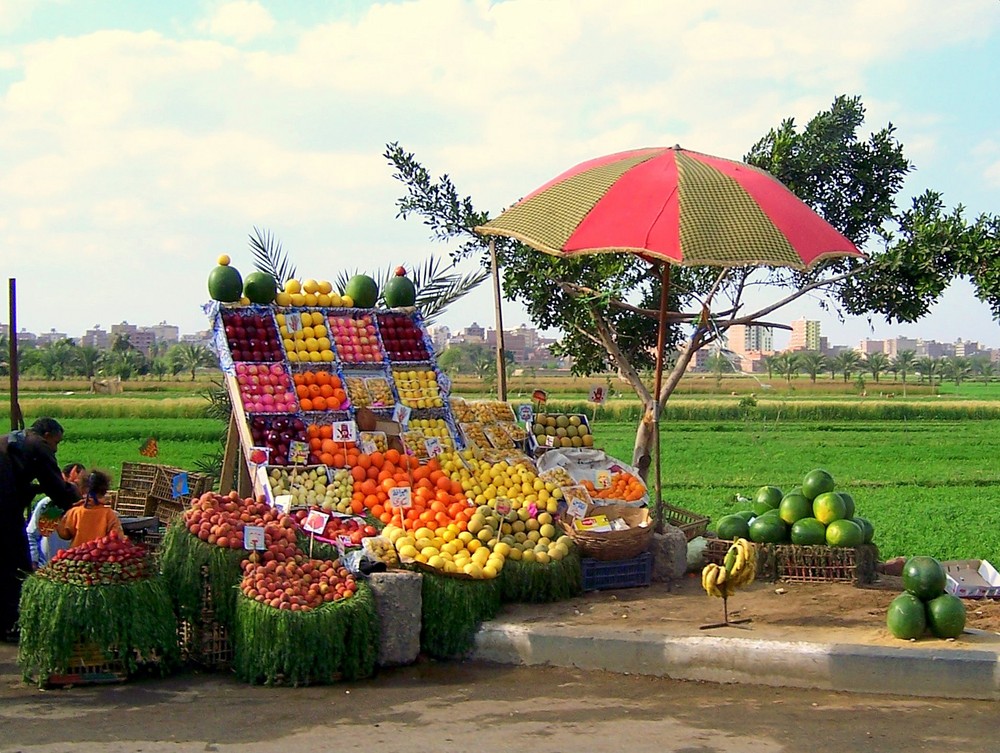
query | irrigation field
[923, 469]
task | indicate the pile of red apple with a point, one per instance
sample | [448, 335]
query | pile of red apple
[298, 584]
[276, 433]
[106, 561]
[356, 338]
[354, 528]
[402, 338]
[252, 337]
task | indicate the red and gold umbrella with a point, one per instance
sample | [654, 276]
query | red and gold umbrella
[668, 204]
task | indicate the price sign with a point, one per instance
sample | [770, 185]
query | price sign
[292, 321]
[400, 498]
[503, 506]
[179, 484]
[315, 521]
[577, 500]
[602, 479]
[550, 441]
[298, 452]
[433, 446]
[259, 456]
[525, 413]
[283, 503]
[401, 414]
[540, 396]
[598, 394]
[344, 541]
[345, 431]
[253, 538]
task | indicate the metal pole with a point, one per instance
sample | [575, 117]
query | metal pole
[16, 419]
[661, 338]
[501, 358]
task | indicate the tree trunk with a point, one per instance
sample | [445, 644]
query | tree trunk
[642, 452]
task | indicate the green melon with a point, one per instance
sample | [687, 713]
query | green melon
[260, 287]
[844, 533]
[817, 482]
[399, 292]
[225, 284]
[808, 532]
[906, 617]
[828, 507]
[732, 527]
[768, 529]
[946, 616]
[363, 290]
[747, 515]
[769, 495]
[795, 507]
[924, 577]
[866, 526]
[848, 504]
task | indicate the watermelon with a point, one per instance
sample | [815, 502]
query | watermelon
[768, 529]
[260, 287]
[906, 617]
[225, 284]
[808, 532]
[363, 290]
[732, 527]
[844, 533]
[769, 495]
[828, 507]
[924, 577]
[817, 482]
[946, 616]
[399, 291]
[795, 507]
[848, 503]
[866, 526]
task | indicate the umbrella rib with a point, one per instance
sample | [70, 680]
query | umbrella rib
[663, 208]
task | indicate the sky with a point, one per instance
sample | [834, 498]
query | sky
[140, 140]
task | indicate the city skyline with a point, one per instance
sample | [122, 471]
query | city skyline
[139, 141]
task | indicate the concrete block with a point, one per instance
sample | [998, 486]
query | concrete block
[398, 603]
[669, 555]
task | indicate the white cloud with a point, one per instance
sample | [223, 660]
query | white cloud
[241, 21]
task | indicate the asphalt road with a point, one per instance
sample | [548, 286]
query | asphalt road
[433, 707]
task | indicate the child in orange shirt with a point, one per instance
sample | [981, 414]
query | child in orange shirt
[91, 519]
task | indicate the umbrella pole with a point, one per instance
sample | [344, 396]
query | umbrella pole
[661, 338]
[501, 356]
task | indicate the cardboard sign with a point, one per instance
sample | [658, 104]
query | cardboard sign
[315, 521]
[400, 498]
[525, 413]
[550, 441]
[259, 456]
[345, 431]
[433, 446]
[401, 414]
[344, 541]
[283, 503]
[598, 394]
[576, 509]
[576, 494]
[370, 441]
[602, 479]
[253, 538]
[298, 452]
[179, 485]
[293, 322]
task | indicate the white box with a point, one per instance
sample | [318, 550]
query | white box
[972, 579]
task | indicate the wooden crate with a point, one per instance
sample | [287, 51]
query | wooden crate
[691, 523]
[198, 484]
[138, 478]
[806, 564]
[206, 641]
[166, 511]
[130, 504]
[89, 665]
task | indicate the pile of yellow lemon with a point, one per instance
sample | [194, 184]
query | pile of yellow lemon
[310, 343]
[312, 293]
[448, 550]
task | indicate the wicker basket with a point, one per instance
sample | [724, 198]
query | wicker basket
[615, 545]
[89, 665]
[691, 523]
[166, 511]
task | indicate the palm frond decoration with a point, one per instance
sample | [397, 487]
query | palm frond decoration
[438, 286]
[269, 256]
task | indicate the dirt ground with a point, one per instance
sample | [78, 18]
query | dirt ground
[828, 612]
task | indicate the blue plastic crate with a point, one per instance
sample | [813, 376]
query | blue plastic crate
[599, 575]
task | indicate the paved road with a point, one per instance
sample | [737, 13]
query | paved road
[430, 707]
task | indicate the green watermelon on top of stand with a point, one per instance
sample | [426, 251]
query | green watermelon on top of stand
[363, 290]
[260, 287]
[224, 282]
[817, 482]
[399, 292]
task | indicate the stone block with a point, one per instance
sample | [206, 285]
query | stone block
[398, 603]
[669, 551]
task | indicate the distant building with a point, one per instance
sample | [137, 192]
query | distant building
[47, 338]
[867, 347]
[96, 338]
[26, 338]
[749, 338]
[473, 334]
[439, 337]
[893, 348]
[165, 333]
[197, 338]
[933, 349]
[805, 335]
[522, 342]
[966, 349]
[142, 339]
[4, 330]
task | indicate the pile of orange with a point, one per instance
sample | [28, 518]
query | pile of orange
[623, 486]
[320, 391]
[436, 500]
[329, 452]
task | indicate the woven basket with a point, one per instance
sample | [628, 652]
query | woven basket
[615, 545]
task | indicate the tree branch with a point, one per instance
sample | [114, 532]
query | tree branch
[625, 368]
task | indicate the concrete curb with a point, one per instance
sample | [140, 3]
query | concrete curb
[940, 673]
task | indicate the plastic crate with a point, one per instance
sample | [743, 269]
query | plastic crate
[599, 575]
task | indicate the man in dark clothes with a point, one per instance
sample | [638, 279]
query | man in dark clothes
[27, 466]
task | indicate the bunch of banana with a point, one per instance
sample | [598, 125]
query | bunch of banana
[738, 570]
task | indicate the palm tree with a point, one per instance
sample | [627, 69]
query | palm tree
[924, 368]
[847, 362]
[87, 358]
[718, 364]
[903, 364]
[191, 357]
[788, 365]
[770, 363]
[876, 363]
[4, 354]
[812, 363]
[56, 359]
[983, 368]
[957, 369]
[123, 364]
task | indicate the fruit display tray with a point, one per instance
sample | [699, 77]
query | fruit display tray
[251, 334]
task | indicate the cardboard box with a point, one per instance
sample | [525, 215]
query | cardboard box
[972, 579]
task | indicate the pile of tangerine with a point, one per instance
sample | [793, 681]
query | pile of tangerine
[320, 391]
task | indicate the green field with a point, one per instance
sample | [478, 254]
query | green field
[920, 468]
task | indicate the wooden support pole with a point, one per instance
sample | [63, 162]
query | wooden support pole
[16, 418]
[501, 356]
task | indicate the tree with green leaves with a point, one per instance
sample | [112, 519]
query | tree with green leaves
[87, 358]
[983, 368]
[876, 363]
[719, 365]
[812, 363]
[847, 361]
[957, 369]
[604, 305]
[191, 357]
[903, 364]
[769, 364]
[788, 365]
